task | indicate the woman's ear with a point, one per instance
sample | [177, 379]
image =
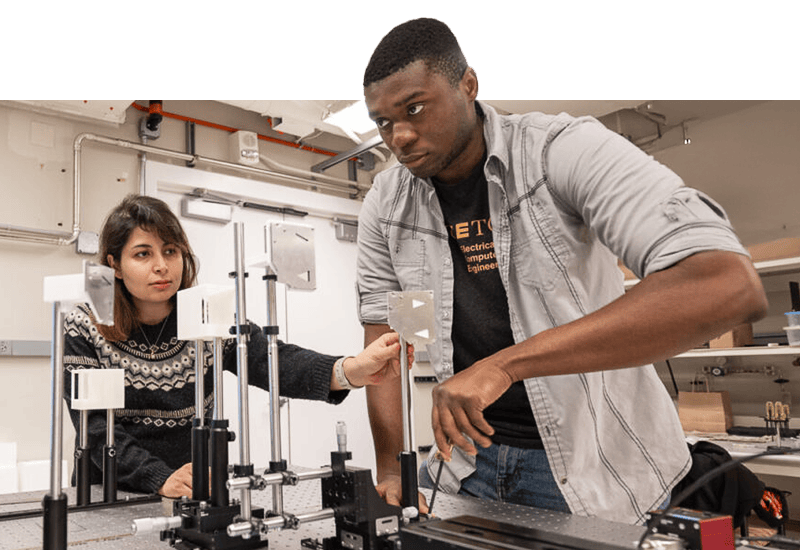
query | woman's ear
[113, 265]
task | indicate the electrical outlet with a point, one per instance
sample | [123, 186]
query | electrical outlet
[5, 347]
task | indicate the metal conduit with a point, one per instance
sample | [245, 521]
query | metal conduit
[45, 236]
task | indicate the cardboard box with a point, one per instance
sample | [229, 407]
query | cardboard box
[738, 337]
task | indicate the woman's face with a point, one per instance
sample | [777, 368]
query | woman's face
[150, 269]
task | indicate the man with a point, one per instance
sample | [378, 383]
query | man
[516, 224]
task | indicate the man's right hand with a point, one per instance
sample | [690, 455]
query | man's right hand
[390, 489]
[179, 484]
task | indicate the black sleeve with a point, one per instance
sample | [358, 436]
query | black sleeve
[303, 373]
[137, 468]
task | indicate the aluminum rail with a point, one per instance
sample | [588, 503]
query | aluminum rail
[274, 386]
[242, 339]
[46, 236]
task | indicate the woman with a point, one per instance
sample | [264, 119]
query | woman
[143, 241]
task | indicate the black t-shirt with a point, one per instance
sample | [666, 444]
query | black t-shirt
[481, 323]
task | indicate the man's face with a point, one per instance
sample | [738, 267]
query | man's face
[428, 124]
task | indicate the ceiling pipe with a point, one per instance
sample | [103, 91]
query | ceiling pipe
[45, 236]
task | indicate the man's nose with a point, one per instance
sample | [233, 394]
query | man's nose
[403, 135]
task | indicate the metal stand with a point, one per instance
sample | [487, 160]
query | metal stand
[411, 315]
[55, 503]
[94, 286]
[408, 457]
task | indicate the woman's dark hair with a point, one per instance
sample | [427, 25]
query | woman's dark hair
[152, 215]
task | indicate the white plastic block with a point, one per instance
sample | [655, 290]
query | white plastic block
[65, 288]
[206, 312]
[9, 479]
[8, 454]
[34, 475]
[94, 389]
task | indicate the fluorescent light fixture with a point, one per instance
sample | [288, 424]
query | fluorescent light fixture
[352, 119]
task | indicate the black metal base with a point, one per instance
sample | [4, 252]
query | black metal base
[206, 528]
[55, 522]
[363, 519]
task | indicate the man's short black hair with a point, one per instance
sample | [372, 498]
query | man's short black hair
[423, 39]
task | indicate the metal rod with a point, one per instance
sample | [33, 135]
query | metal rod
[319, 473]
[241, 358]
[83, 463]
[405, 393]
[110, 461]
[347, 155]
[110, 427]
[217, 413]
[56, 403]
[274, 387]
[54, 505]
[325, 513]
[199, 383]
[218, 436]
[200, 475]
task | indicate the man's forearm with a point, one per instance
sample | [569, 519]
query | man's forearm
[665, 314]
[384, 406]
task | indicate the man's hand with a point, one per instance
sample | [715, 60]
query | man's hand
[459, 402]
[179, 484]
[390, 489]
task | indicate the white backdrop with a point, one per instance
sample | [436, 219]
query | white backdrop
[324, 319]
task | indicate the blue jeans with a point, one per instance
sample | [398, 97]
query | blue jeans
[512, 475]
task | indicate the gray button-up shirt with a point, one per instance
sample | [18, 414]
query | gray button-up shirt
[567, 198]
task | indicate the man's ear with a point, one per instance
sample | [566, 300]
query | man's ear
[469, 83]
[113, 265]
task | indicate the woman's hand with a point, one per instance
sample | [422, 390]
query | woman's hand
[179, 484]
[379, 362]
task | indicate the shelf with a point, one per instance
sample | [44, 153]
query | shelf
[735, 352]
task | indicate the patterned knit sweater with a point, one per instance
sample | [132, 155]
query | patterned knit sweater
[153, 431]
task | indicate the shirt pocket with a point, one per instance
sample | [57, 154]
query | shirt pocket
[408, 260]
[538, 255]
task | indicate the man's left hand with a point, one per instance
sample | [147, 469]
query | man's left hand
[459, 402]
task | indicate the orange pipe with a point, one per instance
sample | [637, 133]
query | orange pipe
[230, 129]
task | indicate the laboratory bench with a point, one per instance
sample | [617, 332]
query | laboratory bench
[110, 528]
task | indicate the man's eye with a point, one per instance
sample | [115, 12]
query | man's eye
[381, 123]
[415, 109]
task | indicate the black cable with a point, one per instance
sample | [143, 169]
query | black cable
[672, 375]
[708, 476]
